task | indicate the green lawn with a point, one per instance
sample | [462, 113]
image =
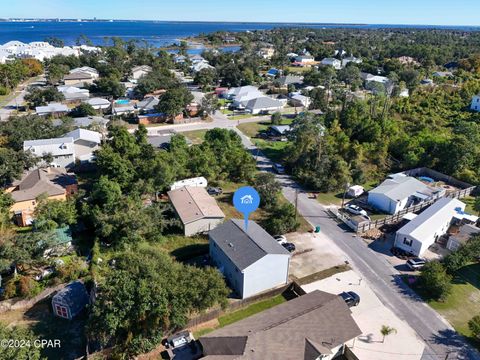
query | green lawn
[238, 315]
[253, 309]
[469, 201]
[196, 136]
[183, 248]
[335, 197]
[464, 301]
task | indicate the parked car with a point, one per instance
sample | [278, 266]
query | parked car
[214, 191]
[278, 168]
[416, 263]
[355, 209]
[289, 246]
[351, 298]
[281, 239]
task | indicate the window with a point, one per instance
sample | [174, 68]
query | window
[61, 311]
[407, 242]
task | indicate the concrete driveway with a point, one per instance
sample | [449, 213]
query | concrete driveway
[370, 315]
[313, 253]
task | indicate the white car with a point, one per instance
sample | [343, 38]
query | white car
[356, 210]
[281, 239]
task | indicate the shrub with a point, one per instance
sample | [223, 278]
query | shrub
[435, 281]
[27, 287]
[474, 326]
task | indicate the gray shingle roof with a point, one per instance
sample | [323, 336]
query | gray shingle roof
[314, 323]
[263, 102]
[400, 187]
[245, 247]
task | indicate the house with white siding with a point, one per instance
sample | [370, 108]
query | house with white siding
[61, 150]
[422, 232]
[251, 260]
[85, 142]
[400, 191]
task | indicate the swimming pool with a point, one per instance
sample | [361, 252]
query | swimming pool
[122, 102]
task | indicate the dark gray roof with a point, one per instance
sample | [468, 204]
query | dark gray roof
[314, 323]
[74, 295]
[262, 102]
[245, 247]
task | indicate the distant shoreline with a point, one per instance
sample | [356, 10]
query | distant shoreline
[288, 23]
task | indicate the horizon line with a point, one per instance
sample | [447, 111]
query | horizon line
[230, 22]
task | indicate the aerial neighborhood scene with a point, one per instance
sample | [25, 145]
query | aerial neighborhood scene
[263, 180]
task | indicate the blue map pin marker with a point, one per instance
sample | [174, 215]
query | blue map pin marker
[246, 201]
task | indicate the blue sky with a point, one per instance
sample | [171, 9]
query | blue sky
[437, 12]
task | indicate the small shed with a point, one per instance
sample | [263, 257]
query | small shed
[70, 301]
[355, 191]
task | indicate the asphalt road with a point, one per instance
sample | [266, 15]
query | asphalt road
[442, 341]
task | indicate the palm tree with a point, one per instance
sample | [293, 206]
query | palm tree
[387, 330]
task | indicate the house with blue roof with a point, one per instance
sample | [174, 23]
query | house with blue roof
[70, 301]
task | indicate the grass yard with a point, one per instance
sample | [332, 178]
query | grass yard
[184, 248]
[238, 315]
[464, 301]
[253, 309]
[469, 201]
[298, 70]
[196, 136]
[274, 150]
[335, 197]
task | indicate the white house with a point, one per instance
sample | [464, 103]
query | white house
[337, 64]
[201, 65]
[399, 191]
[351, 59]
[300, 100]
[62, 150]
[243, 93]
[74, 94]
[139, 71]
[422, 232]
[85, 142]
[475, 106]
[86, 69]
[98, 103]
[251, 260]
[262, 104]
[197, 210]
[53, 109]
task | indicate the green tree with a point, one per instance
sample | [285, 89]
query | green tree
[281, 219]
[19, 353]
[210, 104]
[476, 205]
[42, 96]
[276, 118]
[474, 326]
[268, 188]
[435, 280]
[109, 86]
[206, 78]
[174, 101]
[147, 295]
[55, 73]
[55, 213]
[6, 202]
[83, 110]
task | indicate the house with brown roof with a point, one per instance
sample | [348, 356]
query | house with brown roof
[78, 79]
[197, 210]
[313, 326]
[54, 183]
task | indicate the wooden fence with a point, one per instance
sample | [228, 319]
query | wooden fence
[239, 304]
[392, 219]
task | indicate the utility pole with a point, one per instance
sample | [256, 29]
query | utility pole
[296, 204]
